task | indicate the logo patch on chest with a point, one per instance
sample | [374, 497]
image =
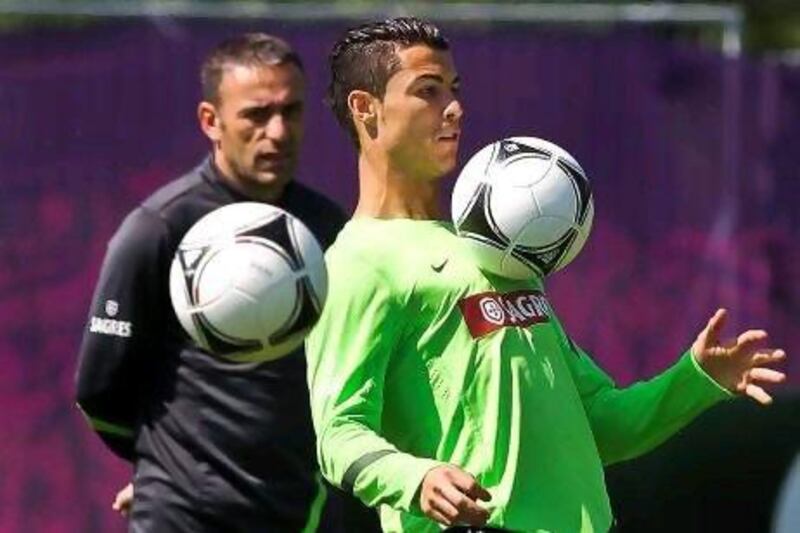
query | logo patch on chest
[489, 311]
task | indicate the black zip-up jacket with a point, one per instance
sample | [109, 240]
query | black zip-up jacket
[231, 437]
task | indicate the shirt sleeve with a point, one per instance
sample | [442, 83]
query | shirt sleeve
[629, 422]
[124, 312]
[348, 352]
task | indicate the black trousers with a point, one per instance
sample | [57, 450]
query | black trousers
[160, 505]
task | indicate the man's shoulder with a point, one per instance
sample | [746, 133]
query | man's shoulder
[174, 205]
[184, 200]
[176, 190]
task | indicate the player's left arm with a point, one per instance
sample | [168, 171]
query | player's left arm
[629, 422]
[348, 353]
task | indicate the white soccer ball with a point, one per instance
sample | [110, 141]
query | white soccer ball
[248, 281]
[524, 206]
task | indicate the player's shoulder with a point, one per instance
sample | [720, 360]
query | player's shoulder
[363, 249]
[392, 238]
[398, 251]
[355, 275]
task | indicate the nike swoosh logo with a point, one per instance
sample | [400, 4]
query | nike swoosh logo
[438, 268]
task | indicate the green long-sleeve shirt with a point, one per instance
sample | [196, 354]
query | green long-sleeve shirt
[420, 359]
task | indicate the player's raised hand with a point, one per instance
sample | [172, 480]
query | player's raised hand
[450, 496]
[739, 364]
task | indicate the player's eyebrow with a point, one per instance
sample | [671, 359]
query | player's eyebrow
[435, 77]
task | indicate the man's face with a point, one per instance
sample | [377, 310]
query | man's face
[420, 116]
[260, 114]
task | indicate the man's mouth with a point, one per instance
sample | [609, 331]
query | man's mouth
[272, 159]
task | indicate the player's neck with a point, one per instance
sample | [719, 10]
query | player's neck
[385, 192]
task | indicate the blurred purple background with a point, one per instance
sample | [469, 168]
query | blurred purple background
[693, 157]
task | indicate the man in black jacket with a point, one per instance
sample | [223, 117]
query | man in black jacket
[216, 445]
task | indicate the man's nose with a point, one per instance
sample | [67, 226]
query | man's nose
[277, 127]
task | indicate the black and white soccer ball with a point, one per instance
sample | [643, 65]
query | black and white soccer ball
[524, 206]
[248, 281]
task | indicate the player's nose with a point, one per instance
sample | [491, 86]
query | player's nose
[454, 111]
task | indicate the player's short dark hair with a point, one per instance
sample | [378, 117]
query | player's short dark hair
[248, 49]
[365, 57]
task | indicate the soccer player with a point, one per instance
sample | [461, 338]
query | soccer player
[507, 429]
[216, 445]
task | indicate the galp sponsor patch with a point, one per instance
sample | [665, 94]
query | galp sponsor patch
[489, 311]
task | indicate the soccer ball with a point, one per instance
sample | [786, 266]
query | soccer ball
[524, 206]
[247, 282]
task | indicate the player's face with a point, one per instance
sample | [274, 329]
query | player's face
[261, 123]
[420, 115]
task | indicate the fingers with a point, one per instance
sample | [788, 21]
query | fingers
[449, 496]
[707, 342]
[751, 338]
[762, 375]
[455, 509]
[714, 326]
[446, 510]
[438, 516]
[758, 394]
[462, 508]
[119, 502]
[768, 356]
[767, 375]
[123, 500]
[121, 506]
[467, 484]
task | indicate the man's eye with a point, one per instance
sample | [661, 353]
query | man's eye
[258, 115]
[293, 110]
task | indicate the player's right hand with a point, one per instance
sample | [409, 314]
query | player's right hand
[124, 500]
[450, 496]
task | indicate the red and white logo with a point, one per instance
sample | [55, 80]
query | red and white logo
[489, 311]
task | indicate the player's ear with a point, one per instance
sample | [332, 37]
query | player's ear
[364, 110]
[362, 107]
[208, 117]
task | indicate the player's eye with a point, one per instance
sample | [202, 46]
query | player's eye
[428, 91]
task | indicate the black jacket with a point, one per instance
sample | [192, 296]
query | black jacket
[223, 432]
